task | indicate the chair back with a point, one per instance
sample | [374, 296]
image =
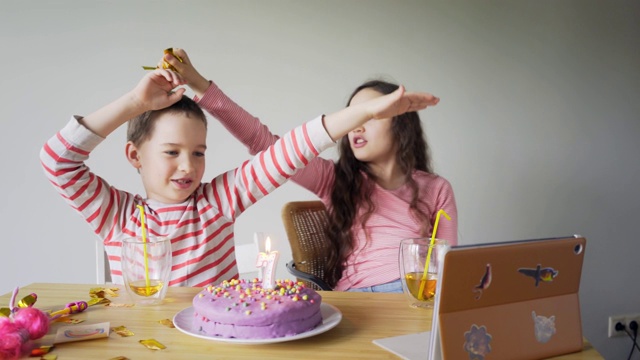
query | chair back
[305, 223]
[246, 255]
[103, 271]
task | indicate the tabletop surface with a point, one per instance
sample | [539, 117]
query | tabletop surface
[365, 317]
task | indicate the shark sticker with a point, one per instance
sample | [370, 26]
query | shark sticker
[540, 274]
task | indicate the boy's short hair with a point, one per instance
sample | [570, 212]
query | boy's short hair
[140, 128]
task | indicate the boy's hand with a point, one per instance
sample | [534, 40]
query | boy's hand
[155, 90]
[194, 80]
[399, 102]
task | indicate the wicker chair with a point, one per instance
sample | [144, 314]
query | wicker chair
[304, 222]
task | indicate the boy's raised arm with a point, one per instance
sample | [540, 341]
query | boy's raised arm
[153, 92]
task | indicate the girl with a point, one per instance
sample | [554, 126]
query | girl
[380, 191]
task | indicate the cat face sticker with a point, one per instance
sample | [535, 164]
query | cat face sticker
[543, 327]
[540, 274]
[477, 342]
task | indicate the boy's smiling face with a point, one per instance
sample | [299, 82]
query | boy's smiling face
[172, 161]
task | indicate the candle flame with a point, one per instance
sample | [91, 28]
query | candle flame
[267, 245]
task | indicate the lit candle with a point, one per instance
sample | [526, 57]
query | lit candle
[267, 262]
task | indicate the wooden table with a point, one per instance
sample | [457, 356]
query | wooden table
[366, 317]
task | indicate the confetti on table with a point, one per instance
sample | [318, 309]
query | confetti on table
[68, 320]
[98, 301]
[49, 357]
[119, 305]
[42, 350]
[122, 331]
[167, 322]
[152, 344]
[100, 292]
[120, 358]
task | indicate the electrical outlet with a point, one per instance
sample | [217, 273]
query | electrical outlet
[624, 320]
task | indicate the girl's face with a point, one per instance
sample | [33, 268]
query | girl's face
[171, 162]
[372, 142]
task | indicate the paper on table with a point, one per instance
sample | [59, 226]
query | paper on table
[81, 332]
[409, 347]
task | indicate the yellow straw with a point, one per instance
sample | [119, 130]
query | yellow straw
[146, 259]
[423, 281]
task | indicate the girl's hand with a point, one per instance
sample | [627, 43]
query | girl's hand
[193, 79]
[399, 102]
[155, 90]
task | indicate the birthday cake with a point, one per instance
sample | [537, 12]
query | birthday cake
[243, 309]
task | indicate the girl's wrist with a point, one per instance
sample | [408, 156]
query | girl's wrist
[200, 87]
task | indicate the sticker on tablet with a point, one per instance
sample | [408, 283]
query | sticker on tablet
[484, 282]
[540, 274]
[543, 327]
[477, 342]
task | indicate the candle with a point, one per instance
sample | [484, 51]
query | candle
[267, 263]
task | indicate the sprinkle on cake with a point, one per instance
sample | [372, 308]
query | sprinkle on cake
[243, 309]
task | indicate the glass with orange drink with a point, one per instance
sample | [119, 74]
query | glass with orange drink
[420, 286]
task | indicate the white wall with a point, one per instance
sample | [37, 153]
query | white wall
[537, 129]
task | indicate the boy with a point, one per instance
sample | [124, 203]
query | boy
[166, 144]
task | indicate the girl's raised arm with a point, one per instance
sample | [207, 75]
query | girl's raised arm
[398, 102]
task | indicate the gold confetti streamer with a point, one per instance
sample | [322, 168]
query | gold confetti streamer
[165, 65]
[27, 301]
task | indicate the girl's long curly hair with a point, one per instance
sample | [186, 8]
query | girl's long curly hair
[354, 182]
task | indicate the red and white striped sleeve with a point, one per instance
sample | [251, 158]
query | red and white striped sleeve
[240, 188]
[240, 123]
[62, 158]
[316, 177]
[445, 200]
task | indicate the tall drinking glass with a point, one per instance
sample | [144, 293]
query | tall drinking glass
[412, 258]
[145, 268]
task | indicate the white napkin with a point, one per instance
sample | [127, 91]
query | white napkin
[409, 347]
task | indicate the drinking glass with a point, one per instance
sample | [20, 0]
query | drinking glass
[145, 267]
[413, 258]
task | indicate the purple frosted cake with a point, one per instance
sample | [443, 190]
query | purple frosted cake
[242, 309]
